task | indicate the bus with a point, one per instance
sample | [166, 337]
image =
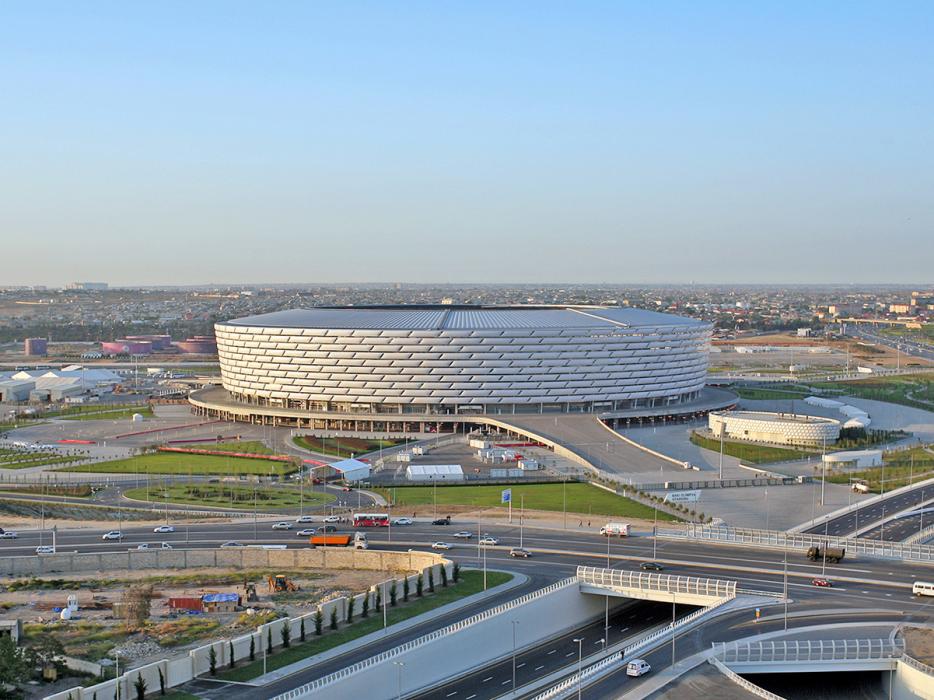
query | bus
[922, 588]
[371, 520]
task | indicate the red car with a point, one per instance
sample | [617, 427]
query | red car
[821, 583]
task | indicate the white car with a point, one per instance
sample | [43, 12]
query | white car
[144, 545]
[464, 534]
[441, 545]
[403, 521]
[227, 545]
[45, 549]
[489, 541]
[307, 532]
[8, 535]
[282, 526]
[637, 667]
[332, 519]
[112, 535]
[304, 519]
[164, 528]
[165, 545]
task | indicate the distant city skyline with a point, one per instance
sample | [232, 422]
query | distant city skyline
[603, 143]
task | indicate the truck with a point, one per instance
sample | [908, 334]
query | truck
[833, 554]
[358, 540]
[615, 530]
[860, 487]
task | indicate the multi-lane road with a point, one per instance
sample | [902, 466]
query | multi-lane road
[875, 512]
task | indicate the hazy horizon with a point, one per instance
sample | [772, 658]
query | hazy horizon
[598, 143]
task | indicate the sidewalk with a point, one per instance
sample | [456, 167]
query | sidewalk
[388, 633]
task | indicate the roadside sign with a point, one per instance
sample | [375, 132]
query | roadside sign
[506, 496]
[682, 496]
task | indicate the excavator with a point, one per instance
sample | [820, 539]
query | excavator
[281, 583]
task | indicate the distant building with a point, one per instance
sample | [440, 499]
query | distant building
[36, 347]
[87, 286]
[159, 342]
[900, 308]
[198, 345]
[779, 428]
[125, 346]
[804, 332]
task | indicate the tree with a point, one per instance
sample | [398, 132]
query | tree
[350, 603]
[14, 666]
[365, 608]
[319, 622]
[252, 647]
[456, 572]
[431, 580]
[405, 589]
[444, 576]
[212, 660]
[137, 602]
[161, 684]
[334, 618]
[420, 585]
[379, 598]
[301, 629]
[140, 685]
[286, 633]
[230, 655]
[269, 640]
[393, 594]
[45, 650]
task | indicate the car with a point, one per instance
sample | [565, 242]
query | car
[327, 528]
[650, 566]
[282, 526]
[144, 545]
[441, 545]
[489, 541]
[164, 528]
[821, 583]
[45, 549]
[464, 534]
[8, 535]
[112, 535]
[332, 519]
[307, 532]
[403, 521]
[226, 545]
[519, 553]
[165, 545]
[441, 521]
[304, 519]
[637, 667]
[346, 488]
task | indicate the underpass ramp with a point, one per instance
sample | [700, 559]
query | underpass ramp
[809, 655]
[689, 590]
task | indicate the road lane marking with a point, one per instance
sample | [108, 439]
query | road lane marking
[539, 668]
[487, 679]
[570, 653]
[506, 681]
[553, 651]
[450, 694]
[520, 665]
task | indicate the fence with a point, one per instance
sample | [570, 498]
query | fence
[799, 651]
[742, 682]
[595, 670]
[616, 578]
[917, 665]
[337, 676]
[793, 540]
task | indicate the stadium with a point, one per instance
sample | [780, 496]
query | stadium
[402, 363]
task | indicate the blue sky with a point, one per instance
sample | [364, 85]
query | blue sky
[180, 142]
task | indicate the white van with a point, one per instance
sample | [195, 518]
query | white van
[922, 588]
[637, 667]
[615, 530]
[360, 541]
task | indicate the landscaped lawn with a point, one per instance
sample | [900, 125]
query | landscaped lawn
[757, 454]
[901, 468]
[253, 447]
[906, 389]
[19, 458]
[229, 495]
[114, 414]
[470, 582]
[581, 498]
[342, 446]
[180, 463]
[769, 394]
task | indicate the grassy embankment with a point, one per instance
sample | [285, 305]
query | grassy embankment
[180, 463]
[230, 495]
[581, 498]
[342, 446]
[901, 469]
[756, 454]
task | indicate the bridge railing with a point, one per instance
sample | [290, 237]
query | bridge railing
[742, 682]
[664, 583]
[793, 540]
[803, 651]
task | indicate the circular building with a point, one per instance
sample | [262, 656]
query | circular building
[451, 360]
[778, 428]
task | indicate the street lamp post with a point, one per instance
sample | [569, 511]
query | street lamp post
[514, 623]
[400, 665]
[580, 663]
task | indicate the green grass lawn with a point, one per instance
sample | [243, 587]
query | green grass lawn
[80, 409]
[253, 447]
[471, 582]
[581, 498]
[769, 394]
[229, 495]
[901, 468]
[16, 458]
[905, 389]
[343, 446]
[757, 454]
[118, 414]
[180, 463]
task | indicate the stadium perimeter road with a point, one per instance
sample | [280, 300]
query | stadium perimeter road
[875, 512]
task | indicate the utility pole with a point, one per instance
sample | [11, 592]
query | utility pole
[522, 514]
[785, 580]
[721, 452]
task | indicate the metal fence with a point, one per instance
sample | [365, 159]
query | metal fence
[308, 688]
[799, 541]
[665, 583]
[742, 682]
[804, 651]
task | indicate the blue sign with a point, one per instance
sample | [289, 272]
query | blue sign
[506, 496]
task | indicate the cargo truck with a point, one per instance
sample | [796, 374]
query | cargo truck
[615, 530]
[358, 540]
[832, 554]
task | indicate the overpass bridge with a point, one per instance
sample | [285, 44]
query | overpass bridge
[810, 656]
[688, 590]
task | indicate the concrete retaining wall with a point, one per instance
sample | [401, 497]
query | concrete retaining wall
[182, 669]
[912, 683]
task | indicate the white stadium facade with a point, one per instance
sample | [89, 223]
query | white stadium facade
[387, 366]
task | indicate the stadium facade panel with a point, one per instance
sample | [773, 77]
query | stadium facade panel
[443, 360]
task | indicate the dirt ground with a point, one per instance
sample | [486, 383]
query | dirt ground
[94, 631]
[919, 643]
[10, 522]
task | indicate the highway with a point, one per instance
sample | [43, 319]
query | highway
[848, 523]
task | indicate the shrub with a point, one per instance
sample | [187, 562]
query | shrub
[420, 586]
[431, 580]
[286, 633]
[365, 608]
[334, 618]
[456, 573]
[405, 589]
[350, 605]
[140, 685]
[393, 593]
[319, 622]
[230, 655]
[269, 640]
[301, 630]
[212, 660]
[252, 648]
[161, 684]
[444, 576]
